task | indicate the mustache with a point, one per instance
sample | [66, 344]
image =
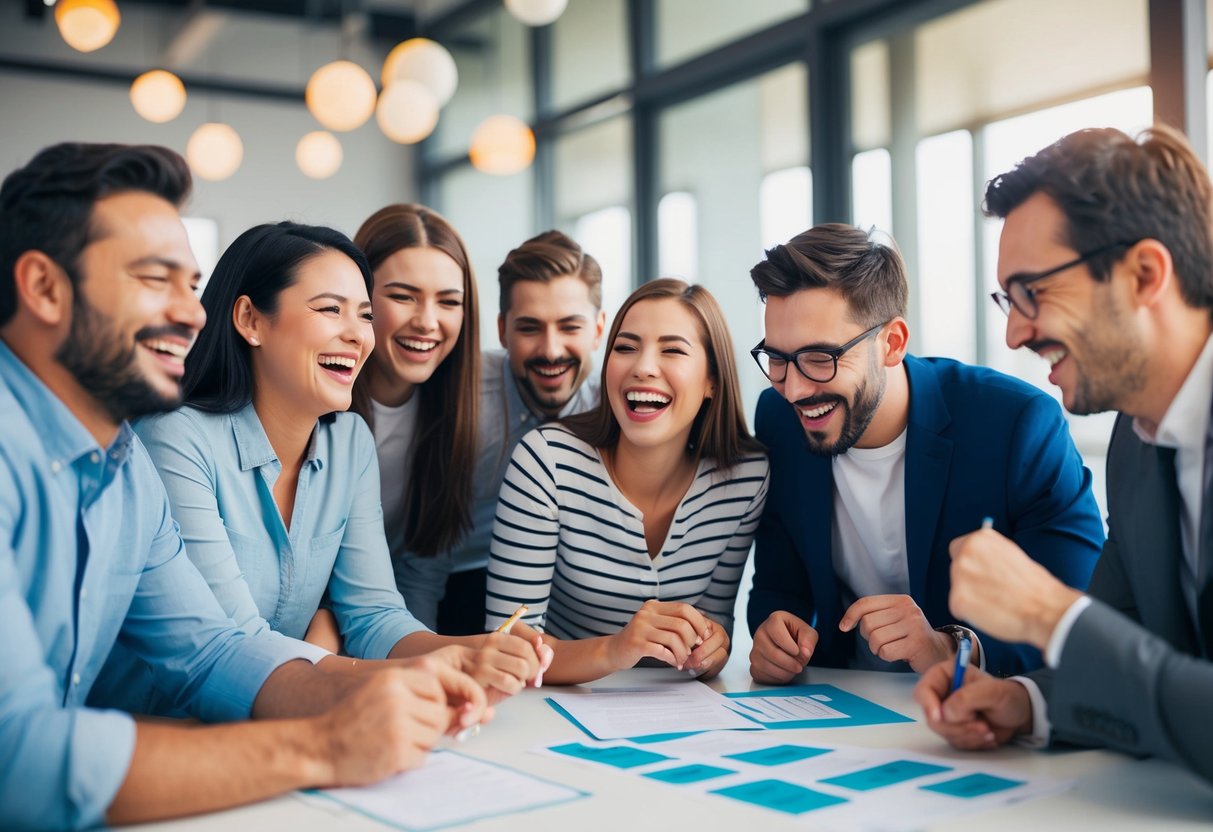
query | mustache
[532, 363]
[820, 398]
[167, 331]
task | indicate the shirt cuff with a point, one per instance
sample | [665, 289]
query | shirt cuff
[1041, 727]
[1061, 632]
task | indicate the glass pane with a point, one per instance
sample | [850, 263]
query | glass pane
[676, 223]
[727, 151]
[870, 95]
[589, 52]
[493, 55]
[493, 214]
[686, 28]
[785, 198]
[947, 293]
[872, 190]
[607, 235]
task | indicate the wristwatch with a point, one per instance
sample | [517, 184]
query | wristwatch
[957, 633]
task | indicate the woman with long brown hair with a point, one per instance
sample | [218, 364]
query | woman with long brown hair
[420, 394]
[625, 529]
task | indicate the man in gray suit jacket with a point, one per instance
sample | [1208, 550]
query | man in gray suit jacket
[1106, 269]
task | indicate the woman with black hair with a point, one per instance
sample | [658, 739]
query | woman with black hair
[275, 487]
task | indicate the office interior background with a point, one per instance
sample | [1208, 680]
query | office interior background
[673, 137]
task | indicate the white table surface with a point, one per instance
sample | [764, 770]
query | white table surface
[1113, 792]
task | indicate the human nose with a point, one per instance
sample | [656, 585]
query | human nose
[550, 345]
[646, 364]
[795, 386]
[1020, 328]
[425, 317]
[186, 308]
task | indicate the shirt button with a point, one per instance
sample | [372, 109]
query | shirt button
[522, 418]
[56, 465]
[83, 594]
[94, 457]
[75, 678]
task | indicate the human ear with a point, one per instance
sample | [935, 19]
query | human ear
[42, 287]
[247, 320]
[896, 337]
[1152, 270]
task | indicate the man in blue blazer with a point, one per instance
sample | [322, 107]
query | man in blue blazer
[878, 460]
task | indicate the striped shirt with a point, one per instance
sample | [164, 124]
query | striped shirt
[567, 543]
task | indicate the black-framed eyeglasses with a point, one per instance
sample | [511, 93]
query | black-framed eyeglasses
[814, 363]
[1022, 296]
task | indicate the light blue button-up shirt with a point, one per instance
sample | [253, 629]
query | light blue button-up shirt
[89, 555]
[219, 471]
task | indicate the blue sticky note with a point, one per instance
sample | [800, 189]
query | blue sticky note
[778, 755]
[694, 773]
[888, 774]
[617, 756]
[780, 796]
[973, 785]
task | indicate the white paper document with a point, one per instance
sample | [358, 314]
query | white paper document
[637, 712]
[448, 790]
[775, 709]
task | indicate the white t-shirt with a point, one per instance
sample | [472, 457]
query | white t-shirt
[869, 529]
[394, 429]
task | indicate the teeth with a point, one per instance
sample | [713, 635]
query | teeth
[1053, 355]
[816, 412]
[338, 361]
[645, 396]
[553, 371]
[167, 346]
[423, 346]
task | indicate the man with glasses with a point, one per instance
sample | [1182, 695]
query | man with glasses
[1124, 322]
[878, 460]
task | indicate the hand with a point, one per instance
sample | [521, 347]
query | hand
[384, 727]
[504, 663]
[709, 658]
[663, 630]
[896, 630]
[783, 645]
[542, 649]
[985, 713]
[1004, 592]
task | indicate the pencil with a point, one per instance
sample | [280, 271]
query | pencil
[513, 619]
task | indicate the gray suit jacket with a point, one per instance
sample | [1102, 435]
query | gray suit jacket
[1134, 673]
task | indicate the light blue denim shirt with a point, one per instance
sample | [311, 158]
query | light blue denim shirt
[219, 471]
[504, 419]
[88, 555]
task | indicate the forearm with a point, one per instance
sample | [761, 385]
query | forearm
[183, 770]
[301, 689]
[580, 660]
[417, 644]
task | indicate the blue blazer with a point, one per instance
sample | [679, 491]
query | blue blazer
[979, 443]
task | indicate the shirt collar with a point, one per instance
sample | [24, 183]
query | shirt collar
[253, 447]
[1184, 424]
[64, 437]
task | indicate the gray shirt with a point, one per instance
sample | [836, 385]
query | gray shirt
[504, 420]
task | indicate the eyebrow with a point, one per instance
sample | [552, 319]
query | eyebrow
[396, 284]
[336, 297]
[631, 336]
[568, 319]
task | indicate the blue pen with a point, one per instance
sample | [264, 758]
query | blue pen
[964, 648]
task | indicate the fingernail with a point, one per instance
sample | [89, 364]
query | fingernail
[539, 679]
[468, 732]
[989, 737]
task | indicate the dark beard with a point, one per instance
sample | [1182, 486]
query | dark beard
[107, 369]
[857, 415]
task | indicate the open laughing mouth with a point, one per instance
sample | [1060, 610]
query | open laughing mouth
[551, 375]
[815, 417]
[170, 354]
[645, 402]
[418, 349]
[340, 367]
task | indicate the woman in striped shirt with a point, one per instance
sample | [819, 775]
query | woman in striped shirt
[625, 530]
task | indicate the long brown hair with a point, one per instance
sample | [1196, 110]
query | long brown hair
[719, 431]
[439, 493]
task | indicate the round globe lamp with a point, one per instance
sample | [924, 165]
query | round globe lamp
[87, 25]
[502, 145]
[341, 95]
[318, 154]
[214, 151]
[424, 60]
[536, 12]
[158, 96]
[407, 111]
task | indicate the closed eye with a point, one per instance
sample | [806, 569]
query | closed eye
[335, 310]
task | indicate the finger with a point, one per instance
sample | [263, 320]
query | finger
[889, 643]
[460, 686]
[700, 623]
[780, 636]
[860, 608]
[931, 689]
[711, 661]
[767, 672]
[770, 656]
[714, 643]
[674, 642]
[680, 629]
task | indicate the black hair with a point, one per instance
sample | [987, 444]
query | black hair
[260, 263]
[48, 204]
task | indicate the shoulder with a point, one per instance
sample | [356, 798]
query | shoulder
[558, 443]
[492, 370]
[978, 392]
[346, 435]
[773, 414]
[184, 421]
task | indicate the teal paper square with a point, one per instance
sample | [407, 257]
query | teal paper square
[973, 785]
[780, 796]
[889, 774]
[695, 773]
[616, 756]
[778, 755]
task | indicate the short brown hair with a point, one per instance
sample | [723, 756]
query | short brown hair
[544, 258]
[869, 274]
[439, 494]
[1112, 189]
[719, 432]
